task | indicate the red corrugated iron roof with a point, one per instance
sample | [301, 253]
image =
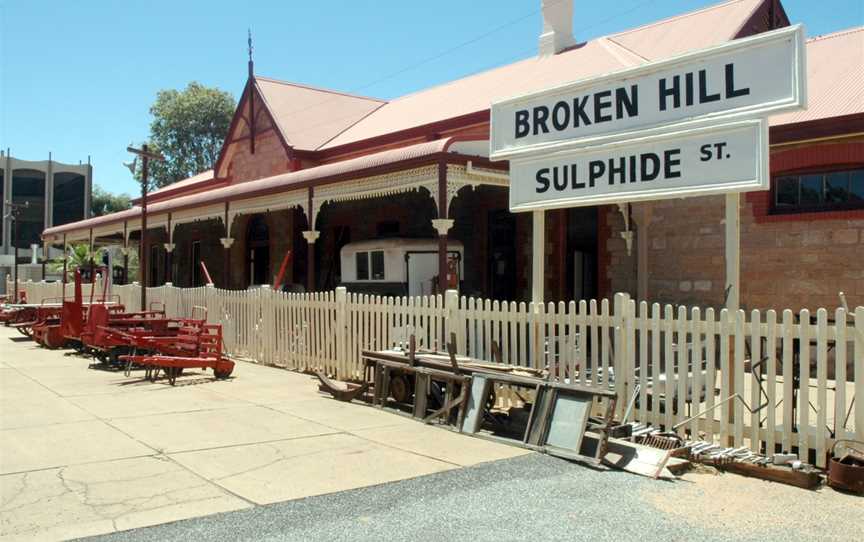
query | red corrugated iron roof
[309, 117]
[195, 182]
[835, 78]
[703, 28]
[284, 182]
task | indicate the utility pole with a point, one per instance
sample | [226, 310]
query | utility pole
[14, 211]
[146, 156]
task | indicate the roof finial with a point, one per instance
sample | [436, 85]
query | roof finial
[251, 63]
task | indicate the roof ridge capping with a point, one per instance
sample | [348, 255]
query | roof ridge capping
[684, 16]
[836, 34]
[319, 89]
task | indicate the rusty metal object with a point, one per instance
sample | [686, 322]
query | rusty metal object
[661, 441]
[847, 471]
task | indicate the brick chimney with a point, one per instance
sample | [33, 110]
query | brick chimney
[557, 26]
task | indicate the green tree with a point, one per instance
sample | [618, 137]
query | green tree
[188, 129]
[79, 257]
[103, 202]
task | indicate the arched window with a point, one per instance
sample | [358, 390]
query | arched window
[258, 250]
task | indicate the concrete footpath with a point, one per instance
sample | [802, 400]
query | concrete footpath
[86, 451]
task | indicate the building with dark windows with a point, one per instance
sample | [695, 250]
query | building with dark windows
[46, 193]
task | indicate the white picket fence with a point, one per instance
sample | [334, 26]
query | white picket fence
[759, 379]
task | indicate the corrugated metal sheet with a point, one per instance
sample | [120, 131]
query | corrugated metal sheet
[696, 30]
[277, 183]
[835, 78]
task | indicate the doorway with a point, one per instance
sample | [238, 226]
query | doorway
[258, 247]
[502, 254]
[582, 253]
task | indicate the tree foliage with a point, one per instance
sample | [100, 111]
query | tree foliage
[188, 129]
[103, 202]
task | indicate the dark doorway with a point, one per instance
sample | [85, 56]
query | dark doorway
[155, 254]
[502, 255]
[582, 253]
[258, 247]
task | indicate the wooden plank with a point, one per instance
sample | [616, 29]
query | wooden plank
[771, 380]
[725, 371]
[668, 368]
[595, 340]
[656, 339]
[696, 364]
[642, 412]
[681, 356]
[858, 352]
[788, 347]
[605, 338]
[822, 384]
[756, 366]
[738, 372]
[804, 388]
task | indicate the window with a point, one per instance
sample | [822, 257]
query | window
[362, 265]
[826, 191]
[378, 265]
[362, 259]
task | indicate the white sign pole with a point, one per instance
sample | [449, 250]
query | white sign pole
[733, 296]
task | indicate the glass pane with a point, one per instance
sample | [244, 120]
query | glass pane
[362, 259]
[68, 198]
[811, 190]
[378, 265]
[837, 187]
[28, 191]
[856, 185]
[787, 191]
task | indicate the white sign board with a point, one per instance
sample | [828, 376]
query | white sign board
[693, 161]
[748, 77]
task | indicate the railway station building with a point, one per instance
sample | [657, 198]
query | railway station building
[313, 171]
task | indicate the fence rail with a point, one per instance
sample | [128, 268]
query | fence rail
[767, 380]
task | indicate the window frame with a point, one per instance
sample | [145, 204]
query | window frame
[775, 209]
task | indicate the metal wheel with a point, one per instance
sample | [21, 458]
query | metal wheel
[400, 388]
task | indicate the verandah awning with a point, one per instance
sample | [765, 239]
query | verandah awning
[291, 189]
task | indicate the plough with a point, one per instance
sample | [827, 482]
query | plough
[202, 351]
[108, 336]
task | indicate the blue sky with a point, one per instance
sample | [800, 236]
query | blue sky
[77, 78]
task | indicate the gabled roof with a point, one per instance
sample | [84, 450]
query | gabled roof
[835, 78]
[696, 30]
[309, 117]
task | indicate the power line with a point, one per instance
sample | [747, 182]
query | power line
[460, 46]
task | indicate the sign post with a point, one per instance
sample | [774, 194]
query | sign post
[691, 125]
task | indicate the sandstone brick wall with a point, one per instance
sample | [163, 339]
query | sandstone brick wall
[793, 263]
[270, 158]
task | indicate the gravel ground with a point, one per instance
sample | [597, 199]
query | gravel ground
[534, 497]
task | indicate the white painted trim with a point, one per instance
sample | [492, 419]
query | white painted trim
[759, 182]
[796, 101]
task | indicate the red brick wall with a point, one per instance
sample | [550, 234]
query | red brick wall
[270, 158]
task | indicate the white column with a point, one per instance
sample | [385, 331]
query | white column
[733, 251]
[538, 252]
[643, 218]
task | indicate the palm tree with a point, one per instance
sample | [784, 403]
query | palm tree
[77, 257]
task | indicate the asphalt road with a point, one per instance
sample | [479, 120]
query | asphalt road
[534, 497]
